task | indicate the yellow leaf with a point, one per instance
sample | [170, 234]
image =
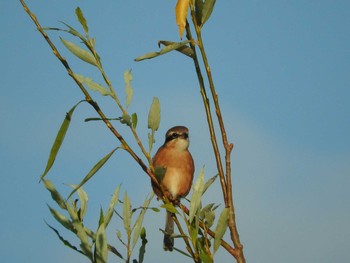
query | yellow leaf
[181, 14]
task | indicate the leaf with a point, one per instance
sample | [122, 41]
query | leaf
[127, 213]
[82, 19]
[142, 250]
[208, 7]
[65, 242]
[209, 183]
[170, 208]
[138, 224]
[92, 84]
[80, 232]
[59, 140]
[221, 228]
[166, 49]
[94, 170]
[64, 221]
[128, 89]
[83, 198]
[101, 248]
[196, 196]
[198, 11]
[83, 54]
[154, 115]
[134, 120]
[184, 49]
[56, 196]
[181, 11]
[112, 204]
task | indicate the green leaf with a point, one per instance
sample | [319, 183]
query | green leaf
[112, 204]
[83, 198]
[65, 242]
[59, 140]
[56, 196]
[186, 50]
[207, 10]
[221, 228]
[126, 119]
[138, 224]
[209, 183]
[83, 54]
[142, 250]
[163, 51]
[154, 115]
[170, 208]
[93, 171]
[64, 221]
[101, 247]
[134, 120]
[128, 89]
[92, 85]
[198, 11]
[205, 257]
[80, 232]
[127, 213]
[82, 19]
[196, 196]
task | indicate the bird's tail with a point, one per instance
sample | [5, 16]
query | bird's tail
[168, 242]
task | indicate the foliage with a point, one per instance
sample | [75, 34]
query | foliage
[201, 242]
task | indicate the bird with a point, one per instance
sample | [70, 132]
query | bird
[177, 162]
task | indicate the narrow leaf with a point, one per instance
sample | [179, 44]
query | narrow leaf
[80, 232]
[59, 140]
[184, 49]
[79, 52]
[221, 228]
[209, 183]
[65, 242]
[64, 221]
[83, 198]
[101, 247]
[166, 49]
[138, 224]
[142, 250]
[198, 11]
[207, 10]
[127, 213]
[134, 120]
[170, 208]
[92, 85]
[82, 19]
[128, 89]
[93, 171]
[56, 196]
[196, 196]
[112, 204]
[181, 11]
[154, 115]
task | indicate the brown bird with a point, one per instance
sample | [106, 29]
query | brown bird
[174, 156]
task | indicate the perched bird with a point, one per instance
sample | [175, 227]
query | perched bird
[176, 182]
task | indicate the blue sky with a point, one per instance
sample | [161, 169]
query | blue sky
[281, 69]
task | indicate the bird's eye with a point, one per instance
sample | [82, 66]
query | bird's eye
[175, 135]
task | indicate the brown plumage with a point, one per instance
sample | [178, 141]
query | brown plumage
[174, 156]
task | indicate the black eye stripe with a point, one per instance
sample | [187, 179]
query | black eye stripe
[175, 135]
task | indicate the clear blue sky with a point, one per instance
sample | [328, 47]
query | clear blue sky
[282, 71]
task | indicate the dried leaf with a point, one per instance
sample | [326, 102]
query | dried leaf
[181, 11]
